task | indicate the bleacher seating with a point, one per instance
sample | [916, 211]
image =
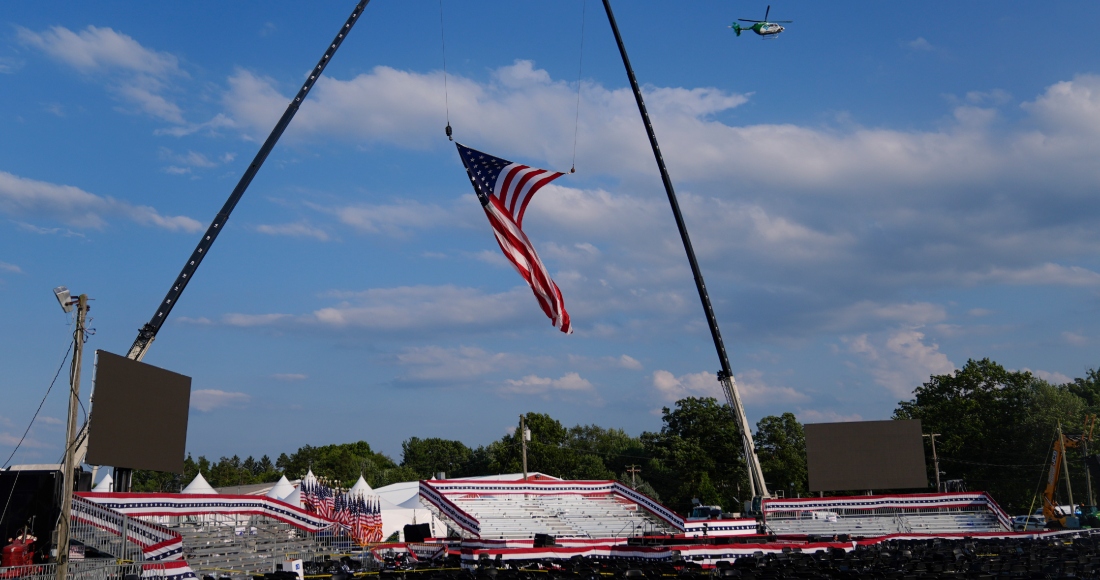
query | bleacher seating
[521, 516]
[243, 545]
[933, 522]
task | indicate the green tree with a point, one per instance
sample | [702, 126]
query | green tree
[696, 455]
[1088, 389]
[426, 457]
[781, 447]
[340, 464]
[996, 427]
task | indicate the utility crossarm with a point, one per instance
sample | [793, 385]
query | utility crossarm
[149, 331]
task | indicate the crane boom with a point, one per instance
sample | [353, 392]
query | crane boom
[757, 487]
[148, 332]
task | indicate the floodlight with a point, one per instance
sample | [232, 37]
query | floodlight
[64, 298]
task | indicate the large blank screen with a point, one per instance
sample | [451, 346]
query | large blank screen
[865, 455]
[139, 415]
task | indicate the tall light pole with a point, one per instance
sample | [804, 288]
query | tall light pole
[935, 459]
[68, 469]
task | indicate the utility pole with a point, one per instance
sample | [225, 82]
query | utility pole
[935, 459]
[1065, 465]
[524, 436]
[633, 469]
[68, 468]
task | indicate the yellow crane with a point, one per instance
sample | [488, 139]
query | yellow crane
[1058, 467]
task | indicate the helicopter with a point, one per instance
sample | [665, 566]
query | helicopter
[762, 27]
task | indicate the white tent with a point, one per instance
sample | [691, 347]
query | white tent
[105, 484]
[310, 478]
[400, 503]
[199, 486]
[361, 488]
[295, 497]
[281, 489]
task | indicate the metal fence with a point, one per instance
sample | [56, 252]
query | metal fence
[104, 530]
[85, 570]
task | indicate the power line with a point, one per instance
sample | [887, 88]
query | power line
[64, 357]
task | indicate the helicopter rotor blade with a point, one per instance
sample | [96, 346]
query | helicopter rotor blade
[766, 12]
[747, 20]
[782, 21]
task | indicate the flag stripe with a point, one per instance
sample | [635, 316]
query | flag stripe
[505, 190]
[526, 200]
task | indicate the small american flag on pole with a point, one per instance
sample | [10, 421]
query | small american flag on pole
[504, 189]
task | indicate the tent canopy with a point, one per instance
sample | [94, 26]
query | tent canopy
[199, 486]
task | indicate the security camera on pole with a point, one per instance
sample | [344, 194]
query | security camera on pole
[68, 469]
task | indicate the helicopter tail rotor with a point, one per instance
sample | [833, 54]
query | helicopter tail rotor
[736, 28]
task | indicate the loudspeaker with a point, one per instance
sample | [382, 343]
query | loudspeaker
[83, 480]
[545, 541]
[417, 532]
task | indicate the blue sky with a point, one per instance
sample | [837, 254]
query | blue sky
[881, 193]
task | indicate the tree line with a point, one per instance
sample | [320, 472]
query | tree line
[996, 428]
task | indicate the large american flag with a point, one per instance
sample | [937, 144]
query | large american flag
[505, 189]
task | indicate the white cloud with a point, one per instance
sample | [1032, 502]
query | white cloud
[133, 72]
[750, 384]
[391, 219]
[825, 416]
[437, 363]
[1070, 106]
[29, 443]
[406, 308]
[249, 320]
[191, 158]
[1043, 274]
[781, 215]
[1075, 338]
[9, 64]
[901, 362]
[910, 313]
[46, 231]
[919, 44]
[12, 268]
[97, 49]
[673, 388]
[78, 208]
[544, 386]
[755, 391]
[629, 362]
[294, 230]
[209, 399]
[1052, 377]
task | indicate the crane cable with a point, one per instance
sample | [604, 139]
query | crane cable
[580, 68]
[446, 99]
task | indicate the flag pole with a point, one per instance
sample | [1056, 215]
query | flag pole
[725, 376]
